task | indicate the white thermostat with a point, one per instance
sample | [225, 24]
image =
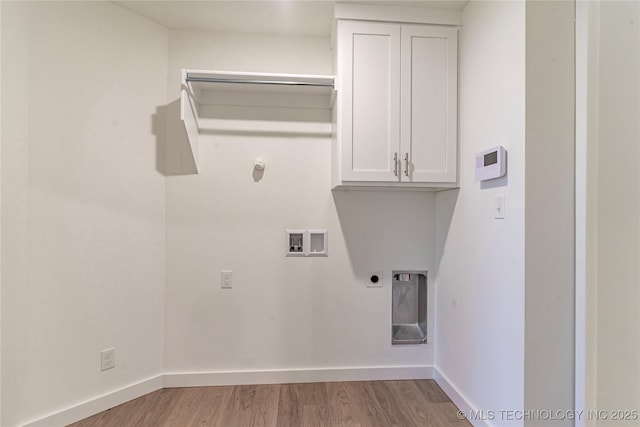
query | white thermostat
[491, 163]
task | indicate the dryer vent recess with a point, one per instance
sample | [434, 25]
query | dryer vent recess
[409, 307]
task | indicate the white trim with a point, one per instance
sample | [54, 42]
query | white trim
[0, 208]
[587, 95]
[283, 376]
[416, 15]
[98, 404]
[581, 52]
[458, 398]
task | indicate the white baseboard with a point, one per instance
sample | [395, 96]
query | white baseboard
[215, 378]
[198, 379]
[283, 376]
[98, 404]
[458, 398]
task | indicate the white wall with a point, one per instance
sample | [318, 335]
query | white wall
[549, 211]
[82, 203]
[480, 282]
[506, 322]
[617, 210]
[283, 313]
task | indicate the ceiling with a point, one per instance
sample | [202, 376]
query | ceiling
[299, 17]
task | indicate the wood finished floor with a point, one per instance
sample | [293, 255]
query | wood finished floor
[340, 404]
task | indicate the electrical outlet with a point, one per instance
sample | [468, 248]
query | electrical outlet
[227, 280]
[107, 359]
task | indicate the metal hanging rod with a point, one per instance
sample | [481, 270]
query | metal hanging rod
[260, 82]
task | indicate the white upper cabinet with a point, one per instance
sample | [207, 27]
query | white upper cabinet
[429, 110]
[396, 115]
[369, 81]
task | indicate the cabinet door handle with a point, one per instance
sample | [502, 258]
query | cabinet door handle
[395, 164]
[406, 164]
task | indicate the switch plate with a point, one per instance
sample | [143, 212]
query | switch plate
[498, 206]
[226, 281]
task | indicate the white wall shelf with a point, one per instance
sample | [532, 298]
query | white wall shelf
[259, 89]
[200, 88]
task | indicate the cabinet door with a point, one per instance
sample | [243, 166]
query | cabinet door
[369, 69]
[429, 103]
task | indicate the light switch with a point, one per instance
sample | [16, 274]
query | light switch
[498, 206]
[226, 280]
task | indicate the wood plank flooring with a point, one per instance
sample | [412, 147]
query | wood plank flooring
[411, 403]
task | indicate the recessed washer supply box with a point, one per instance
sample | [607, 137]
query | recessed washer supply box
[306, 243]
[491, 163]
